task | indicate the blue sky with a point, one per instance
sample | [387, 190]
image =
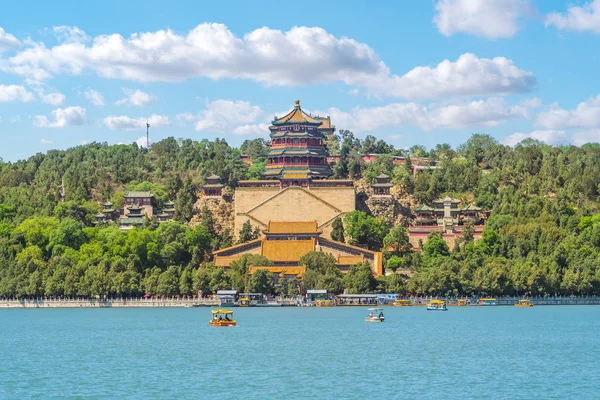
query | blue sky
[409, 72]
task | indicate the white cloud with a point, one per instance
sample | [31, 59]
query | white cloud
[551, 137]
[45, 141]
[213, 51]
[186, 117]
[124, 122]
[252, 130]
[468, 75]
[7, 41]
[84, 142]
[54, 99]
[94, 96]
[70, 34]
[487, 18]
[588, 136]
[223, 115]
[62, 118]
[12, 93]
[135, 98]
[586, 115]
[578, 18]
[143, 141]
[15, 118]
[482, 113]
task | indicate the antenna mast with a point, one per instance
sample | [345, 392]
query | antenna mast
[147, 134]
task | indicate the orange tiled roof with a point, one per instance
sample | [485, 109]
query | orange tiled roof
[287, 250]
[297, 270]
[293, 227]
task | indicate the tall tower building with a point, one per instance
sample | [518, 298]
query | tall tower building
[297, 153]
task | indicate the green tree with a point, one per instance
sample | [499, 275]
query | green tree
[364, 230]
[261, 281]
[337, 232]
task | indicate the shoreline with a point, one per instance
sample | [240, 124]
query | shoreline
[196, 302]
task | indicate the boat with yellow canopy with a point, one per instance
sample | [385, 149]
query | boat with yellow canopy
[462, 302]
[244, 302]
[222, 318]
[524, 303]
[487, 301]
[402, 303]
[324, 303]
[437, 305]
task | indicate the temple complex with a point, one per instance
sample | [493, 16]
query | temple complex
[447, 217]
[137, 206]
[284, 243]
[212, 187]
[294, 184]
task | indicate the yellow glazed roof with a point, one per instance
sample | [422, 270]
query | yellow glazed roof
[297, 116]
[287, 250]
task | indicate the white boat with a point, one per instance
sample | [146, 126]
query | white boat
[437, 305]
[375, 315]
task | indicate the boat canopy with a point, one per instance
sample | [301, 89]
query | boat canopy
[488, 299]
[222, 311]
[375, 309]
[437, 301]
[524, 301]
[316, 291]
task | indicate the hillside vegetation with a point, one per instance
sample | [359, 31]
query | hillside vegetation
[543, 236]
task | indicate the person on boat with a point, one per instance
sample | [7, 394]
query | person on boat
[381, 314]
[227, 318]
[370, 315]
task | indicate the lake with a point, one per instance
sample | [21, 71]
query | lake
[550, 352]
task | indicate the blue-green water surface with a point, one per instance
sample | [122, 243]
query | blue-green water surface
[300, 353]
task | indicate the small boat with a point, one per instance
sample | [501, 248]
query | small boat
[437, 305]
[244, 302]
[375, 315]
[324, 303]
[487, 301]
[402, 303]
[462, 302]
[524, 303]
[222, 318]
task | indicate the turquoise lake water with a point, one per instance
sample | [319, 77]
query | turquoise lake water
[549, 352]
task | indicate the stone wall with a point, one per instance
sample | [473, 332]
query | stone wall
[263, 204]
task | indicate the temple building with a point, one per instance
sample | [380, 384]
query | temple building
[297, 153]
[447, 217]
[382, 185]
[284, 243]
[107, 213]
[294, 184]
[212, 187]
[143, 204]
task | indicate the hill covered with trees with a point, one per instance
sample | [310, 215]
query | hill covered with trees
[543, 236]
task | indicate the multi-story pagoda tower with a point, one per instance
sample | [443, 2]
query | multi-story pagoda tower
[297, 153]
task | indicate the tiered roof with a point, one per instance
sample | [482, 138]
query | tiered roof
[297, 116]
